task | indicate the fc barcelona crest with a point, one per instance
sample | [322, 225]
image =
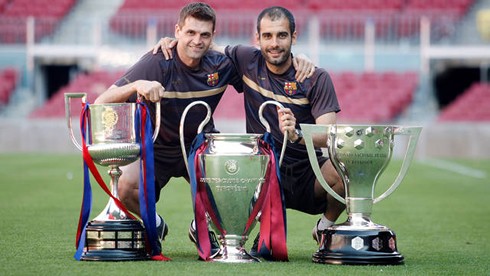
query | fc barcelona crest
[290, 88]
[213, 79]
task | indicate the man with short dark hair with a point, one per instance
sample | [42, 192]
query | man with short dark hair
[269, 74]
[175, 83]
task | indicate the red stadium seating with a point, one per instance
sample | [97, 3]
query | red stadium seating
[93, 84]
[364, 97]
[338, 19]
[373, 97]
[8, 82]
[13, 15]
[472, 105]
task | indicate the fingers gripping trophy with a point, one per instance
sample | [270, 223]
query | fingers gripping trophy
[359, 153]
[110, 139]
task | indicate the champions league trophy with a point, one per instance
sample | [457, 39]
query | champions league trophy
[359, 153]
[112, 235]
[234, 169]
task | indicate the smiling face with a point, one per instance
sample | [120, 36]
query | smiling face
[275, 40]
[195, 36]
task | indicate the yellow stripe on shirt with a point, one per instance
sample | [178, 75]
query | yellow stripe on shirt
[193, 94]
[269, 94]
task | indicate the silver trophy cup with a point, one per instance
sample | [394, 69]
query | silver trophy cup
[112, 235]
[234, 169]
[359, 153]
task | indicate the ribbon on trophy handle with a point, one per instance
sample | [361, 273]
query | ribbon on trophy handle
[147, 177]
[88, 164]
[273, 226]
[200, 199]
[145, 138]
[270, 202]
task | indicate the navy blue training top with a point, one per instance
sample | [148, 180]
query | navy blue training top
[183, 85]
[308, 100]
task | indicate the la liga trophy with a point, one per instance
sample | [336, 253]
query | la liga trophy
[232, 171]
[111, 141]
[359, 153]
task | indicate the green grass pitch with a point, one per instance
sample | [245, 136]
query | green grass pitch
[441, 219]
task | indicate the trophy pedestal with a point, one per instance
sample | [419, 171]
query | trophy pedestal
[115, 240]
[358, 247]
[112, 236]
[233, 252]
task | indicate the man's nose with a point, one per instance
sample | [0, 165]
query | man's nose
[197, 40]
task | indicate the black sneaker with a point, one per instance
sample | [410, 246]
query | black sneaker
[162, 232]
[215, 247]
[318, 235]
[254, 251]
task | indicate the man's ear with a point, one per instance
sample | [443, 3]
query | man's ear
[257, 39]
[293, 41]
[177, 31]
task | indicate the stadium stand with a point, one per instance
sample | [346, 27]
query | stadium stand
[364, 97]
[14, 13]
[473, 105]
[374, 97]
[93, 84]
[8, 81]
[338, 19]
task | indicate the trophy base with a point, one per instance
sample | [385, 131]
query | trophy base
[235, 255]
[115, 240]
[358, 247]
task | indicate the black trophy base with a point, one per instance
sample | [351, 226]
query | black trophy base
[115, 240]
[358, 248]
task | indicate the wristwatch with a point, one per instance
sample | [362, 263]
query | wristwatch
[300, 136]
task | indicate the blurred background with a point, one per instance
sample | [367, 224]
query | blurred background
[404, 62]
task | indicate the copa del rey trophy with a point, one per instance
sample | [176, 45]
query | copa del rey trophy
[113, 235]
[231, 171]
[359, 153]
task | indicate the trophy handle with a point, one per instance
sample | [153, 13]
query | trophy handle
[267, 126]
[308, 130]
[68, 97]
[199, 129]
[414, 133]
[157, 121]
[157, 117]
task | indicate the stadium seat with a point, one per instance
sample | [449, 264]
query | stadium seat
[8, 82]
[374, 97]
[471, 105]
[13, 15]
[93, 84]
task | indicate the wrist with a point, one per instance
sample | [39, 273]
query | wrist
[298, 136]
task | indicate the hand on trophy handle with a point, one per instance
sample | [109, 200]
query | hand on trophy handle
[199, 129]
[267, 126]
[414, 133]
[157, 116]
[287, 121]
[152, 91]
[68, 96]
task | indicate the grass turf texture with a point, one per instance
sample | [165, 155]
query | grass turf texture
[441, 219]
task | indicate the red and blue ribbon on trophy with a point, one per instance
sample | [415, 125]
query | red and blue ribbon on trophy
[272, 242]
[146, 186]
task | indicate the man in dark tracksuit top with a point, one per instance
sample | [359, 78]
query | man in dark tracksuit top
[195, 74]
[268, 74]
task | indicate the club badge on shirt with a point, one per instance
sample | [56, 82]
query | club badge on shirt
[290, 88]
[213, 79]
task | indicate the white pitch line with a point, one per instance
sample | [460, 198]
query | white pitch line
[454, 167]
